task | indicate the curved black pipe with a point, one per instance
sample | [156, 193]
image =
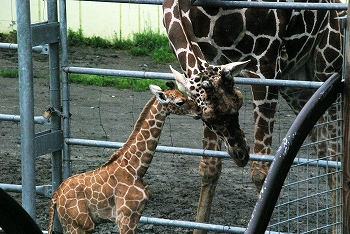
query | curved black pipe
[14, 219]
[302, 125]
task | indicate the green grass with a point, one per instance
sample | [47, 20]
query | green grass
[10, 37]
[116, 82]
[9, 73]
[102, 81]
[14, 74]
[147, 43]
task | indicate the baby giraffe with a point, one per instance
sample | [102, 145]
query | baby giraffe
[116, 191]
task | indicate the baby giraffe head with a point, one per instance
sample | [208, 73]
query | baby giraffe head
[175, 102]
[214, 92]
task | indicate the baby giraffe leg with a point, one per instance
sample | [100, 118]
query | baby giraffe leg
[77, 222]
[131, 206]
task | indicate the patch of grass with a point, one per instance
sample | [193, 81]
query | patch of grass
[163, 55]
[75, 38]
[9, 73]
[10, 37]
[116, 82]
[14, 74]
[146, 43]
[153, 44]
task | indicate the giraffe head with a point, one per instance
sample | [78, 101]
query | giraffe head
[175, 101]
[213, 91]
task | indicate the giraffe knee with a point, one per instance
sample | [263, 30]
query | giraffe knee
[258, 178]
[210, 169]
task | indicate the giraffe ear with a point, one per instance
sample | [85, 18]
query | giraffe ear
[160, 95]
[180, 79]
[235, 67]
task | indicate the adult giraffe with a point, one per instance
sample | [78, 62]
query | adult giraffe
[280, 44]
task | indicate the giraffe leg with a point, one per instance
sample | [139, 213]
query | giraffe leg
[259, 172]
[72, 227]
[74, 216]
[210, 171]
[264, 113]
[131, 206]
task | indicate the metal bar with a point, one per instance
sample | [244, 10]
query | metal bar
[346, 127]
[287, 151]
[16, 118]
[65, 89]
[25, 72]
[43, 190]
[201, 152]
[12, 46]
[55, 99]
[272, 5]
[124, 73]
[244, 4]
[195, 225]
[170, 76]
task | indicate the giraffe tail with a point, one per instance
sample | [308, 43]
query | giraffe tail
[52, 212]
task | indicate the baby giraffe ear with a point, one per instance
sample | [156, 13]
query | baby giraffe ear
[160, 95]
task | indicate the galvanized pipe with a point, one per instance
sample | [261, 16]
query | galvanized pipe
[12, 46]
[16, 118]
[170, 76]
[25, 73]
[65, 89]
[244, 4]
[192, 225]
[201, 152]
[43, 190]
[55, 100]
[55, 94]
[272, 5]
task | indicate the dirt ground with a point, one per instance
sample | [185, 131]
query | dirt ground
[102, 113]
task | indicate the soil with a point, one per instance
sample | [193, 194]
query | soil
[103, 113]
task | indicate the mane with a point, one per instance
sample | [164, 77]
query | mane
[133, 134]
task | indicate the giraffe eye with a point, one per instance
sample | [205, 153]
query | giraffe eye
[180, 103]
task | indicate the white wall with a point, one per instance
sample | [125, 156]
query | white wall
[95, 18]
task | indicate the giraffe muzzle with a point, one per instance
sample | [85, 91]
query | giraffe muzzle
[240, 155]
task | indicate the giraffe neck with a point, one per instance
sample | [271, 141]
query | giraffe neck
[137, 152]
[176, 21]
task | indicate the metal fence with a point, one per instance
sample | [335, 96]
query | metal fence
[305, 203]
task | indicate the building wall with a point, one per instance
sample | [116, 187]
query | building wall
[94, 18]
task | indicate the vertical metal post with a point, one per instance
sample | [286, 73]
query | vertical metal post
[55, 95]
[65, 89]
[25, 72]
[346, 159]
[55, 101]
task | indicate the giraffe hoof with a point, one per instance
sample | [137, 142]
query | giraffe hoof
[258, 178]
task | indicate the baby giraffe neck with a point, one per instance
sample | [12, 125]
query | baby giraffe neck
[138, 151]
